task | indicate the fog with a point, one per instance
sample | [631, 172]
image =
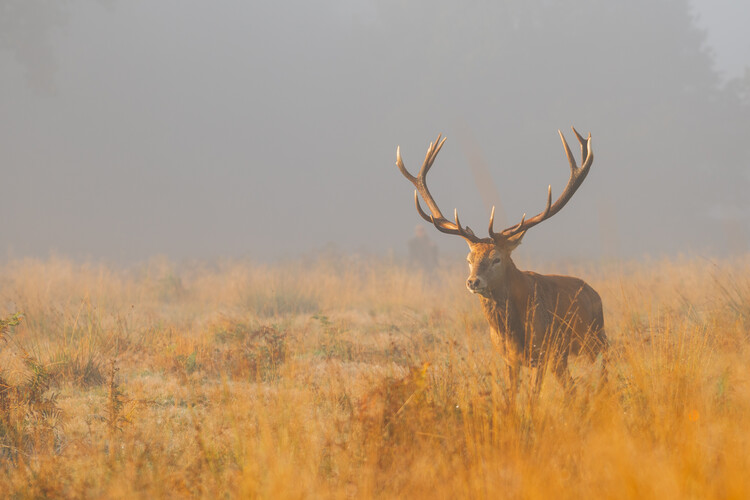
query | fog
[200, 130]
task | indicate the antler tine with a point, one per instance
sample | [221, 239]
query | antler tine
[577, 175]
[515, 229]
[401, 167]
[589, 154]
[447, 227]
[502, 234]
[491, 228]
[571, 160]
[466, 231]
[421, 212]
[582, 142]
[426, 163]
[420, 183]
[432, 152]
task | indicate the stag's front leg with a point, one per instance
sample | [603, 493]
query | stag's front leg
[562, 373]
[539, 377]
[603, 377]
[540, 347]
[513, 369]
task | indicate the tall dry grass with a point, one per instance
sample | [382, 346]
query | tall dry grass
[353, 377]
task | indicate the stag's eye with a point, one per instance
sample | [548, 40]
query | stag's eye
[496, 260]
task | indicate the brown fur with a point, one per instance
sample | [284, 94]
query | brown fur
[535, 319]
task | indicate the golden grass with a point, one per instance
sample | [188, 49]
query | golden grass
[355, 378]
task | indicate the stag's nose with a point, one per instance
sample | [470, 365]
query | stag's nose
[473, 283]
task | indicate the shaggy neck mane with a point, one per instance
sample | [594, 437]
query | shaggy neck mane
[501, 311]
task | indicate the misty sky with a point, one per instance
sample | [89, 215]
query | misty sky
[268, 129]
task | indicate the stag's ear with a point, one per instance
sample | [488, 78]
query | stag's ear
[470, 242]
[512, 242]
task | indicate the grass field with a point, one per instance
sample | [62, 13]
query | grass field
[354, 377]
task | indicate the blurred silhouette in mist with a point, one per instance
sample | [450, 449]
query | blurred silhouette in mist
[423, 252]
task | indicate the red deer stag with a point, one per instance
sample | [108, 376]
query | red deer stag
[534, 319]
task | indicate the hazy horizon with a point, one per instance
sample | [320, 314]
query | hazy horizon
[200, 130]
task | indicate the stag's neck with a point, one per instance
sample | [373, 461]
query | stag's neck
[513, 280]
[503, 307]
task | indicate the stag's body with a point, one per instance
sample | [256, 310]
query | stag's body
[538, 320]
[535, 320]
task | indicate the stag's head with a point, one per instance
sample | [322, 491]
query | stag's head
[489, 262]
[489, 258]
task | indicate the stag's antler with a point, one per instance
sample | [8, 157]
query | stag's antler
[577, 175]
[420, 183]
